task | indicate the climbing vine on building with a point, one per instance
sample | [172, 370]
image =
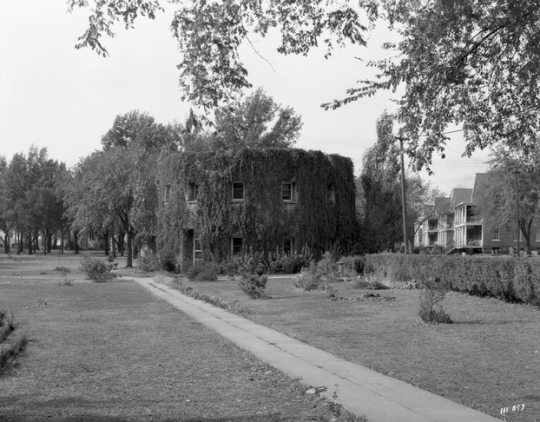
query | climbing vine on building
[321, 214]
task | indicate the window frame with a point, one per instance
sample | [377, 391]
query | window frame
[192, 192]
[167, 196]
[496, 235]
[233, 190]
[292, 191]
[196, 251]
[233, 238]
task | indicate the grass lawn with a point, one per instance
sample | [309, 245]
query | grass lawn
[488, 359]
[112, 352]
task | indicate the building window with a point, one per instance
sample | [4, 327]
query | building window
[238, 191]
[236, 245]
[331, 194]
[197, 250]
[496, 251]
[288, 192]
[496, 234]
[192, 192]
[167, 194]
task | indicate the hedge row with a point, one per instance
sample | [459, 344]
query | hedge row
[507, 278]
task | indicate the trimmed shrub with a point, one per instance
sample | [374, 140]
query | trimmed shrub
[96, 270]
[507, 278]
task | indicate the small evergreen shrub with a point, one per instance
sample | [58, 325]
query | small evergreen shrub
[96, 270]
[253, 284]
[431, 297]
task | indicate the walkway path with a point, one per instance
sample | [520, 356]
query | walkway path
[360, 390]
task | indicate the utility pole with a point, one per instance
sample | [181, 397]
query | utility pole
[517, 211]
[403, 198]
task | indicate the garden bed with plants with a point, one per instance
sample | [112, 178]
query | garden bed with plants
[488, 358]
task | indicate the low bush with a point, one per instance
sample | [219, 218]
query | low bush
[431, 297]
[202, 271]
[96, 270]
[319, 275]
[149, 262]
[167, 259]
[62, 270]
[254, 285]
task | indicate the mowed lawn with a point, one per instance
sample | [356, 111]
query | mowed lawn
[488, 359]
[113, 352]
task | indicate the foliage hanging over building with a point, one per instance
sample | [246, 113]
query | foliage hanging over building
[282, 196]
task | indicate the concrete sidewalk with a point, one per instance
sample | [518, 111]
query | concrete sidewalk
[360, 390]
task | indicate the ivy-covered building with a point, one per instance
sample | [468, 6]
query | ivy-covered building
[214, 205]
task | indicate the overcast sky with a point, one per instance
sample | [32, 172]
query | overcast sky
[54, 96]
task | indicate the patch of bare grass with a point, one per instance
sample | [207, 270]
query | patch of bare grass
[488, 357]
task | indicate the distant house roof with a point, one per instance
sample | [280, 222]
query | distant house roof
[480, 181]
[460, 195]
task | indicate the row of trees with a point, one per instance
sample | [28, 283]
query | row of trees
[31, 203]
[112, 193]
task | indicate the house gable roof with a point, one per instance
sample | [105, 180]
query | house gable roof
[460, 195]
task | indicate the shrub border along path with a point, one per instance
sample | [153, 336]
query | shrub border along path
[358, 389]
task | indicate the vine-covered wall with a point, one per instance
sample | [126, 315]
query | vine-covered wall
[262, 219]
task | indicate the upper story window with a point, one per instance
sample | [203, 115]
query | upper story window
[192, 192]
[288, 192]
[496, 234]
[331, 194]
[197, 250]
[237, 191]
[167, 194]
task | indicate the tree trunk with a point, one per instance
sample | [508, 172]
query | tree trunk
[106, 237]
[29, 240]
[49, 240]
[19, 243]
[7, 246]
[76, 241]
[129, 250]
[62, 241]
[113, 247]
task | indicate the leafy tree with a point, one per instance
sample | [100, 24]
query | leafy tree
[473, 63]
[245, 124]
[141, 130]
[209, 34]
[382, 221]
[497, 196]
